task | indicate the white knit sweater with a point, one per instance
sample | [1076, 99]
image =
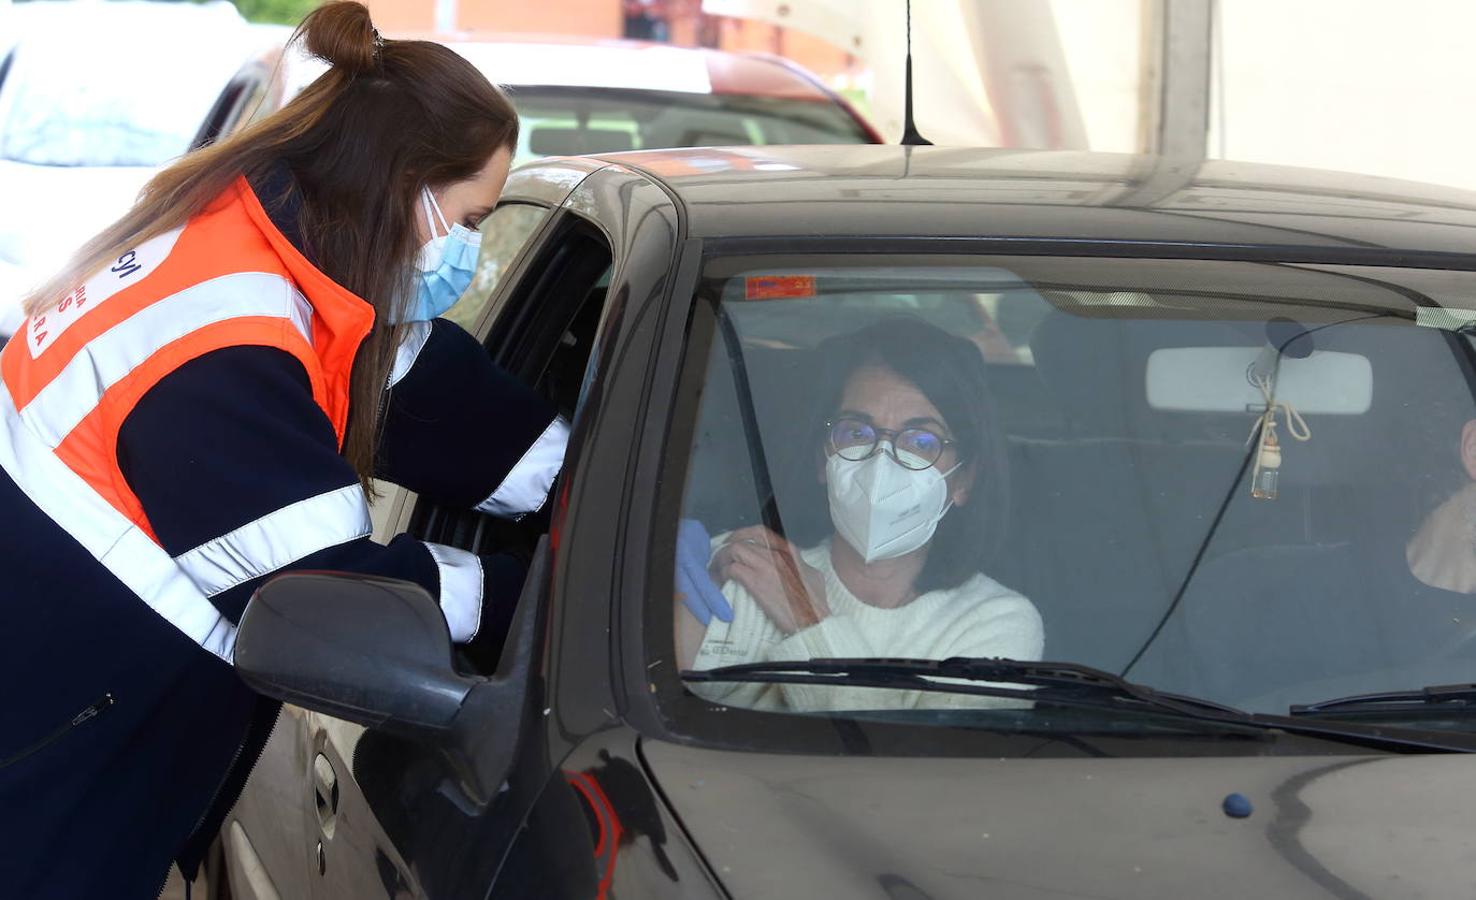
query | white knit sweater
[979, 618]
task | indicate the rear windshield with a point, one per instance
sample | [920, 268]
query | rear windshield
[558, 121]
[1072, 459]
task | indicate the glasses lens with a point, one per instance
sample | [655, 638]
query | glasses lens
[852, 439]
[918, 448]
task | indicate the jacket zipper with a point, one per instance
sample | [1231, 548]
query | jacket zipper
[80, 718]
[215, 796]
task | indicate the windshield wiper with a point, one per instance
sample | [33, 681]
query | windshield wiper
[1065, 684]
[1435, 698]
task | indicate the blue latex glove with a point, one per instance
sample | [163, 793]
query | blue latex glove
[693, 584]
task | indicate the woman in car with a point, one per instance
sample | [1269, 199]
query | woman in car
[199, 401]
[914, 469]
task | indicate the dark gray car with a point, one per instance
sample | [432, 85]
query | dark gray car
[1228, 478]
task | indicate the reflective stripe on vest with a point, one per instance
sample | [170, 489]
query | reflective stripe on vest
[71, 376]
[114, 541]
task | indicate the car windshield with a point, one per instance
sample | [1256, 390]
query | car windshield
[566, 121]
[1244, 482]
[92, 99]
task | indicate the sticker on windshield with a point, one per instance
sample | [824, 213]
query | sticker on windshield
[1446, 318]
[779, 287]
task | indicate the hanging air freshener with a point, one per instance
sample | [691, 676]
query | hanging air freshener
[1268, 464]
[1266, 475]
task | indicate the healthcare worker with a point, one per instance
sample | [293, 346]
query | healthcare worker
[199, 401]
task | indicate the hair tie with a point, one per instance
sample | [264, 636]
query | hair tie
[378, 41]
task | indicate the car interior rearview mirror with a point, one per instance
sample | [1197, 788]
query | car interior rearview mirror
[1217, 380]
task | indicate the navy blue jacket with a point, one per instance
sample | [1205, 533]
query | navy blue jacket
[123, 743]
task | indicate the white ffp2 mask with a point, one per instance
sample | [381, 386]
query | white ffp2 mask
[882, 508]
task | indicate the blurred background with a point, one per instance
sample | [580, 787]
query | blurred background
[96, 95]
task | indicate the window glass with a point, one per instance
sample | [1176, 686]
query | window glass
[74, 100]
[1071, 459]
[570, 121]
[505, 233]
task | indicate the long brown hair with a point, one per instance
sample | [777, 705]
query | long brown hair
[387, 119]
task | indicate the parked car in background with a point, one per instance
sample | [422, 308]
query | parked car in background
[583, 96]
[84, 158]
[94, 98]
[579, 96]
[603, 97]
[1233, 701]
[256, 88]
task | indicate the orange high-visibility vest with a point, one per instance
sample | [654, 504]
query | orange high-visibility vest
[71, 376]
[227, 278]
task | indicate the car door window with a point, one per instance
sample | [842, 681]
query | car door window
[506, 232]
[543, 333]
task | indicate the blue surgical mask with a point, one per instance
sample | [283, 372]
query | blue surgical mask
[445, 267]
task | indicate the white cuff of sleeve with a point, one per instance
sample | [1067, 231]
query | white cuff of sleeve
[525, 489]
[461, 589]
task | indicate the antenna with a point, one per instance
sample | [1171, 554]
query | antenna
[910, 137]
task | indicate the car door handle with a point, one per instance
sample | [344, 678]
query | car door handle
[325, 787]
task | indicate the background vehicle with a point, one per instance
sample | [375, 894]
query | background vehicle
[86, 118]
[600, 96]
[584, 766]
[574, 97]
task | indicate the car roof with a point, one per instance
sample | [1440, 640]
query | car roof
[529, 60]
[889, 190]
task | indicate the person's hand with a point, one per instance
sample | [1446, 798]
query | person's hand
[694, 587]
[789, 591]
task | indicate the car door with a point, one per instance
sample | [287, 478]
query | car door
[391, 819]
[385, 816]
[269, 843]
[602, 264]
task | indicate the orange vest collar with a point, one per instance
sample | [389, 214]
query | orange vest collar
[341, 319]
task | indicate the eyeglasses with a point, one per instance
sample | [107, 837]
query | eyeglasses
[913, 448]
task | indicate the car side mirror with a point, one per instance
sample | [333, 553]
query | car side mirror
[375, 651]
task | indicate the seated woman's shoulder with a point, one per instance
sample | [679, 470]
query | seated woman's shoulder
[984, 592]
[981, 587]
[988, 619]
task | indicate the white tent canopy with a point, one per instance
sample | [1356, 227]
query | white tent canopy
[984, 73]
